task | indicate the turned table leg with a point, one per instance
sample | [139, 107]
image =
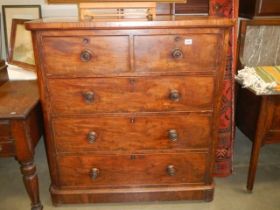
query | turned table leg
[30, 179]
[25, 145]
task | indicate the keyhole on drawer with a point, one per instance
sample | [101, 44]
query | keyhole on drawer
[132, 157]
[177, 38]
[85, 40]
[132, 84]
[132, 120]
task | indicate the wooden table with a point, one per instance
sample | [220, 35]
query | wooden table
[258, 117]
[20, 130]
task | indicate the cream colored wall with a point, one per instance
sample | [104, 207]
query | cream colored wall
[53, 10]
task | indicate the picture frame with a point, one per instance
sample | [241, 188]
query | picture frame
[11, 12]
[112, 1]
[21, 51]
[1, 37]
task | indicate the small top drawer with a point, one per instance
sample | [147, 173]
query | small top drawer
[181, 53]
[85, 56]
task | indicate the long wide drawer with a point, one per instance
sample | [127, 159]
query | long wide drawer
[135, 169]
[102, 134]
[85, 55]
[98, 95]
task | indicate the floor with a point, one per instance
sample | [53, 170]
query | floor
[230, 192]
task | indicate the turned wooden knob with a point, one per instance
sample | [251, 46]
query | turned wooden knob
[177, 54]
[86, 55]
[94, 173]
[171, 171]
[172, 135]
[91, 137]
[174, 95]
[88, 96]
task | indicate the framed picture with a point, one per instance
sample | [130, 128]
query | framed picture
[89, 1]
[11, 12]
[21, 50]
[1, 37]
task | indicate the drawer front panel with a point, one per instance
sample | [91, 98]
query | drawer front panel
[177, 93]
[132, 133]
[121, 170]
[7, 149]
[165, 53]
[5, 132]
[85, 56]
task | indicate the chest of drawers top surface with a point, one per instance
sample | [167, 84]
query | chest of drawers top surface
[131, 105]
[161, 21]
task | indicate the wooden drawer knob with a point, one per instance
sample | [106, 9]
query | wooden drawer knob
[88, 96]
[174, 95]
[95, 172]
[92, 136]
[172, 135]
[86, 55]
[171, 171]
[177, 54]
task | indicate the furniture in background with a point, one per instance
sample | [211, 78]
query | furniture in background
[258, 117]
[20, 129]
[18, 11]
[144, 10]
[126, 122]
[255, 8]
[21, 51]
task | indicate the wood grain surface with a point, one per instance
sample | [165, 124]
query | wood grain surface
[147, 94]
[134, 169]
[133, 132]
[107, 126]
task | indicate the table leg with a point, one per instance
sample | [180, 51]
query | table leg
[253, 164]
[30, 179]
[257, 143]
[25, 146]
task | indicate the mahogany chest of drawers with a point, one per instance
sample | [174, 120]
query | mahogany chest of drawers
[131, 107]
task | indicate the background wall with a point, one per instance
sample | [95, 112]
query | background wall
[48, 10]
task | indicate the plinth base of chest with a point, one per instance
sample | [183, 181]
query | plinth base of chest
[76, 196]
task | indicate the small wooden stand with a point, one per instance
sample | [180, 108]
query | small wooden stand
[139, 9]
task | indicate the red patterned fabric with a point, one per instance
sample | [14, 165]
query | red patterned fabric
[223, 166]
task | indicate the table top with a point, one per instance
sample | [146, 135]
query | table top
[17, 98]
[271, 93]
